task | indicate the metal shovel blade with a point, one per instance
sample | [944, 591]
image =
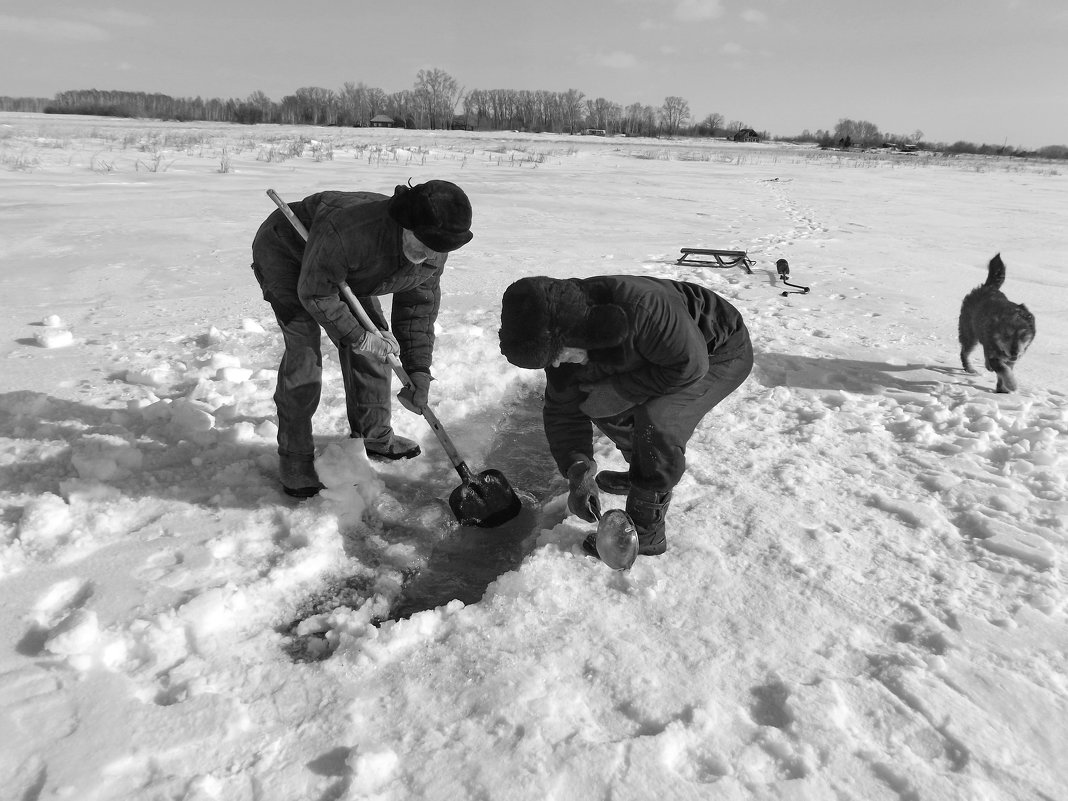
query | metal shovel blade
[617, 539]
[485, 500]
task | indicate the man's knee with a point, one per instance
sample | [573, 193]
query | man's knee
[657, 462]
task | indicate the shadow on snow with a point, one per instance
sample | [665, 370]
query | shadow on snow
[460, 561]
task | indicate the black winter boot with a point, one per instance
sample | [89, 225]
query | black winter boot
[648, 510]
[398, 447]
[298, 475]
[614, 482]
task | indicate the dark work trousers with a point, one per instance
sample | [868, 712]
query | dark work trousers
[300, 377]
[652, 437]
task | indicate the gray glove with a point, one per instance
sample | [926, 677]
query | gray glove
[583, 497]
[416, 397]
[379, 345]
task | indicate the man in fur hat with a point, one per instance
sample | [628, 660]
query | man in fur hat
[378, 245]
[643, 360]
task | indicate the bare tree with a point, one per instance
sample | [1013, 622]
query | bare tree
[264, 106]
[632, 120]
[526, 105]
[476, 104]
[377, 102]
[604, 114]
[435, 95]
[673, 114]
[641, 120]
[614, 118]
[550, 116]
[401, 106]
[859, 132]
[314, 105]
[355, 105]
[571, 108]
[712, 123]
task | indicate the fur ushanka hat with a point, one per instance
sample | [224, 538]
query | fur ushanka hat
[437, 212]
[540, 316]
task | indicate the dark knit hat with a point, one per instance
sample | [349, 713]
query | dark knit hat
[540, 316]
[437, 212]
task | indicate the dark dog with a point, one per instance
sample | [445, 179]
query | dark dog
[1003, 328]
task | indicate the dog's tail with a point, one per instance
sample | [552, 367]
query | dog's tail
[996, 275]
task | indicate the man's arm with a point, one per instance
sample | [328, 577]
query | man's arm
[413, 315]
[322, 272]
[567, 428]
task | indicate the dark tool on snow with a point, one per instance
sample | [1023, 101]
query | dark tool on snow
[487, 499]
[783, 268]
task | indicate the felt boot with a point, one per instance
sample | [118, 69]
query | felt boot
[298, 476]
[648, 510]
[614, 482]
[397, 448]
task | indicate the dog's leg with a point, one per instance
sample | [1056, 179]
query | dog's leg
[1006, 379]
[1002, 368]
[965, 349]
[968, 341]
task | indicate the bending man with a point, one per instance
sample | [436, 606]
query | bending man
[378, 245]
[643, 360]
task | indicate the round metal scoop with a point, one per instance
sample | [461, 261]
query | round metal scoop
[617, 539]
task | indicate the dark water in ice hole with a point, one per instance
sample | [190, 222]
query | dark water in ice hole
[464, 560]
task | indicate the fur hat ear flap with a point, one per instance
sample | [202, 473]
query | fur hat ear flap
[605, 326]
[541, 315]
[410, 209]
[529, 334]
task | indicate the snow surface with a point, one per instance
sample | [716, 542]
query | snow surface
[864, 593]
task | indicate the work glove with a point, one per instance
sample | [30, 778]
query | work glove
[583, 498]
[603, 400]
[414, 397]
[379, 345]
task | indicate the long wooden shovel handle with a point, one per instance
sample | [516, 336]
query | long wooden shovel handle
[402, 374]
[297, 224]
[394, 362]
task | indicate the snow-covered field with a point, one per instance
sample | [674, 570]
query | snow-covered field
[864, 593]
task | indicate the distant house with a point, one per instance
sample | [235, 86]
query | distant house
[594, 132]
[383, 121]
[746, 135]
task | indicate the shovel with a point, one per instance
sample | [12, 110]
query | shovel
[487, 499]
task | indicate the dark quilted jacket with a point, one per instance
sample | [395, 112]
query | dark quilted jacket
[352, 239]
[674, 330]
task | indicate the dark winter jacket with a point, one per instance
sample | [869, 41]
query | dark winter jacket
[351, 239]
[674, 331]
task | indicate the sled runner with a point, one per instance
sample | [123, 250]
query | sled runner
[717, 258]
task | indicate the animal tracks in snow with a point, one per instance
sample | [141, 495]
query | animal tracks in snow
[932, 493]
[60, 622]
[803, 221]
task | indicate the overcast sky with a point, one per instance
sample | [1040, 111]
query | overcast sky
[980, 70]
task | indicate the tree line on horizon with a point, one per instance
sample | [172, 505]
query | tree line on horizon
[436, 101]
